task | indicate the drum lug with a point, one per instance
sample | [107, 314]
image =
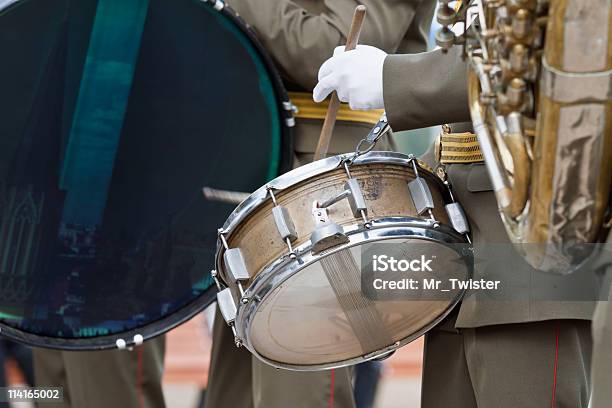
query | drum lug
[234, 262]
[352, 192]
[421, 195]
[284, 223]
[456, 214]
[457, 218]
[236, 267]
[327, 233]
[420, 192]
[227, 306]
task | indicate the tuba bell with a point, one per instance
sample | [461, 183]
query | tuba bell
[540, 94]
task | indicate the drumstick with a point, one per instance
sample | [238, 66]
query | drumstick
[334, 103]
[224, 196]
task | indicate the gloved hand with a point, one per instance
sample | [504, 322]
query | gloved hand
[356, 75]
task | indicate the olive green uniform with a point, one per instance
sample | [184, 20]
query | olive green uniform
[301, 35]
[489, 353]
[109, 378]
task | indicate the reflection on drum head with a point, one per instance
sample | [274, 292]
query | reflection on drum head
[113, 115]
[322, 315]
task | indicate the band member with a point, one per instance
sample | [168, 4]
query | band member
[527, 353]
[109, 378]
[299, 35]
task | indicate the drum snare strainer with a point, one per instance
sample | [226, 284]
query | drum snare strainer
[288, 260]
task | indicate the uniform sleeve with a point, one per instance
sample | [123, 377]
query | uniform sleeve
[300, 41]
[425, 89]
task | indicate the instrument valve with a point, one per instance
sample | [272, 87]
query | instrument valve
[521, 24]
[445, 39]
[446, 16]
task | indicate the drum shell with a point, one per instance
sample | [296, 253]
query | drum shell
[385, 189]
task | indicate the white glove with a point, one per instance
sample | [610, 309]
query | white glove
[356, 75]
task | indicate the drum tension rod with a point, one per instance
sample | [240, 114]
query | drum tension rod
[227, 306]
[215, 275]
[284, 223]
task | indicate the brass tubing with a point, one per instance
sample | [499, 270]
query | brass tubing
[496, 171]
[515, 141]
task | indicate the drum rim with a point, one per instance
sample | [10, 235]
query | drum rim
[8, 3]
[269, 279]
[193, 307]
[148, 331]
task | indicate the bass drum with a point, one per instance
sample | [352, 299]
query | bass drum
[113, 116]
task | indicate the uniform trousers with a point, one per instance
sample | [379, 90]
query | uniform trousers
[526, 365]
[103, 379]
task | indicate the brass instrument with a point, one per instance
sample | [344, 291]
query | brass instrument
[540, 94]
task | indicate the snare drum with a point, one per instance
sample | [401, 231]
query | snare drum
[292, 258]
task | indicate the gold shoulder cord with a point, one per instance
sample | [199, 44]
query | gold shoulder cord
[458, 147]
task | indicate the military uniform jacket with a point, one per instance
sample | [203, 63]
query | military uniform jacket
[429, 89]
[301, 34]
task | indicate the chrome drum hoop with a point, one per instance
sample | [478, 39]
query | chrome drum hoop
[382, 229]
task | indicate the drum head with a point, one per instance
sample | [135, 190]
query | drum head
[324, 315]
[113, 115]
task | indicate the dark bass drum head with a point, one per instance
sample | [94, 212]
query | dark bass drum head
[113, 116]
